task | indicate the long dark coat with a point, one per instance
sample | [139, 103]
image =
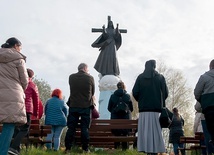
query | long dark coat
[176, 129]
[114, 99]
[150, 89]
[109, 43]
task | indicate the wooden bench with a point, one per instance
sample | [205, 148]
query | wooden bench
[101, 135]
[36, 135]
[194, 143]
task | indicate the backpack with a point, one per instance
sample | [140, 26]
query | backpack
[164, 118]
[121, 108]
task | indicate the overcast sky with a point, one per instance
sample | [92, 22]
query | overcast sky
[56, 35]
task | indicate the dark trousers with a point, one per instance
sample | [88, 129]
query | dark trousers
[84, 114]
[207, 138]
[209, 115]
[121, 132]
[20, 132]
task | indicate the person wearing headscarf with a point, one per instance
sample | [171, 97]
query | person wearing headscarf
[13, 82]
[150, 91]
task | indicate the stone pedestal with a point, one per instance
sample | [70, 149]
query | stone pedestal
[107, 86]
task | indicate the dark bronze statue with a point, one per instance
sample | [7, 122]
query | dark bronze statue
[108, 43]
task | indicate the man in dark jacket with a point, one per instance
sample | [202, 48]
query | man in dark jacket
[204, 94]
[82, 89]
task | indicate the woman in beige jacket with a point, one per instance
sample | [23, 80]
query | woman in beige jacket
[13, 82]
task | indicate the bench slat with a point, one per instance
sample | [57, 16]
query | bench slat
[36, 133]
[101, 135]
[107, 128]
[193, 140]
[112, 139]
[115, 121]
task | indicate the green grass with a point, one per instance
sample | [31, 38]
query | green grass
[77, 151]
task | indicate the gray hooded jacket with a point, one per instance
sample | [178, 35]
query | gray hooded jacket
[204, 90]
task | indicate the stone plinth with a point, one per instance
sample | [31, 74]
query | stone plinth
[107, 86]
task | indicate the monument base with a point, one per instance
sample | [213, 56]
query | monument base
[107, 86]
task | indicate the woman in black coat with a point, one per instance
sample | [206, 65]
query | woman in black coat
[116, 97]
[176, 131]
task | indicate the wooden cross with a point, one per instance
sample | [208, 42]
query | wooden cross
[101, 30]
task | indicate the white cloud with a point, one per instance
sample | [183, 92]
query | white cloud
[56, 35]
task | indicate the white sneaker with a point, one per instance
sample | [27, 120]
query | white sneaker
[13, 151]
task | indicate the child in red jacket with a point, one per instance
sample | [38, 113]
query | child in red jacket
[32, 109]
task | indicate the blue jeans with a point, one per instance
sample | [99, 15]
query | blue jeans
[207, 138]
[55, 135]
[175, 148]
[6, 137]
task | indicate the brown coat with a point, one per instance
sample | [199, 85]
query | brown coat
[13, 82]
[81, 90]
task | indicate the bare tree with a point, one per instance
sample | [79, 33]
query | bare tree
[44, 89]
[180, 96]
[135, 112]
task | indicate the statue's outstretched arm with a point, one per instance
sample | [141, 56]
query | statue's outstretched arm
[117, 30]
[104, 29]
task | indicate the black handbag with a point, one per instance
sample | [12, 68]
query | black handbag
[164, 119]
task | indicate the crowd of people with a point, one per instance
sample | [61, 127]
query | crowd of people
[20, 103]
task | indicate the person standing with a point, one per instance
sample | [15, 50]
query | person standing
[176, 131]
[207, 138]
[82, 90]
[150, 91]
[197, 127]
[120, 93]
[32, 109]
[41, 111]
[56, 112]
[13, 82]
[204, 94]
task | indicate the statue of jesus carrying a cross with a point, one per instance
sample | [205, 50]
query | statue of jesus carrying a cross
[108, 43]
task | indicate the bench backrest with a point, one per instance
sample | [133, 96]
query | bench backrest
[196, 139]
[199, 135]
[101, 135]
[36, 129]
[103, 127]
